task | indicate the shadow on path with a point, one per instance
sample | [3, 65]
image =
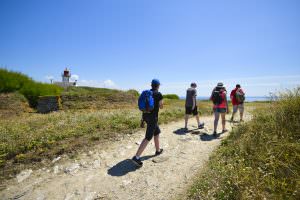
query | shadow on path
[182, 131]
[207, 137]
[125, 166]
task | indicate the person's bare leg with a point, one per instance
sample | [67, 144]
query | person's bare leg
[156, 142]
[198, 120]
[232, 116]
[142, 147]
[186, 120]
[223, 121]
[217, 116]
[241, 115]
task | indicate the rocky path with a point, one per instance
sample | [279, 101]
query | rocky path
[106, 172]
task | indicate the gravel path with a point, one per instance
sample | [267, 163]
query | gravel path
[109, 174]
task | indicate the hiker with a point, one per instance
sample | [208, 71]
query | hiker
[219, 99]
[191, 106]
[237, 97]
[150, 102]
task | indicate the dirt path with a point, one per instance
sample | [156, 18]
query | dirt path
[109, 174]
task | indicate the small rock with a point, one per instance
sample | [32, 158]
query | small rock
[72, 169]
[126, 182]
[129, 147]
[96, 164]
[23, 175]
[90, 196]
[137, 143]
[56, 169]
[90, 153]
[56, 159]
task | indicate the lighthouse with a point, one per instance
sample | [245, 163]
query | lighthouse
[66, 76]
[65, 83]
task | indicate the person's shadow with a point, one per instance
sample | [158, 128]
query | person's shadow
[207, 137]
[183, 131]
[125, 166]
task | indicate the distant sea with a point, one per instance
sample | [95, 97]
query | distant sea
[248, 99]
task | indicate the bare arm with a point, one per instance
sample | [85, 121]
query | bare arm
[161, 104]
[226, 104]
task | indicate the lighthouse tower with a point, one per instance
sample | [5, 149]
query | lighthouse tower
[66, 76]
[65, 83]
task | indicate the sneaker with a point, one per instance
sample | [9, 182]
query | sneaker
[201, 126]
[137, 162]
[215, 134]
[185, 130]
[157, 153]
[224, 131]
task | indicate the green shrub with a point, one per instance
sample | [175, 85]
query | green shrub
[171, 96]
[15, 81]
[260, 159]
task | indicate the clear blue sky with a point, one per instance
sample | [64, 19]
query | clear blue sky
[124, 44]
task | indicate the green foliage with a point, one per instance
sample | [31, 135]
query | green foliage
[14, 81]
[171, 96]
[260, 159]
[74, 98]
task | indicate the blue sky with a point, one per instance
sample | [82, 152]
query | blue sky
[124, 44]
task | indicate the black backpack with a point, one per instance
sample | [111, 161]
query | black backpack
[217, 97]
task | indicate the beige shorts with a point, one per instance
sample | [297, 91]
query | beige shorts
[239, 107]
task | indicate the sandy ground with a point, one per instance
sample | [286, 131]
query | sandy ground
[109, 174]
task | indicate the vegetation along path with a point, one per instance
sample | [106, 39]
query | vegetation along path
[109, 174]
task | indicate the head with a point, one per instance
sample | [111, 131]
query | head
[220, 86]
[155, 84]
[238, 86]
[193, 85]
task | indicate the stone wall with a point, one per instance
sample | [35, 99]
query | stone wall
[47, 104]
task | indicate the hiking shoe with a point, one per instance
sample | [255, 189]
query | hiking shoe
[137, 162]
[241, 120]
[215, 134]
[224, 131]
[157, 153]
[185, 130]
[201, 126]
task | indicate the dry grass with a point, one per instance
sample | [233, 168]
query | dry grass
[260, 159]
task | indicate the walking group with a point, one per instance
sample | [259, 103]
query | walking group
[151, 101]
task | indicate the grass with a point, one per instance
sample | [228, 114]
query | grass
[259, 160]
[75, 98]
[17, 82]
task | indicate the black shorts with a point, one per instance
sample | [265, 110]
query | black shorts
[152, 126]
[190, 111]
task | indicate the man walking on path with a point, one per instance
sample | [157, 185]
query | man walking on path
[191, 106]
[219, 99]
[151, 118]
[237, 97]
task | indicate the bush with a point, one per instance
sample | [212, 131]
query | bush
[260, 159]
[171, 96]
[15, 81]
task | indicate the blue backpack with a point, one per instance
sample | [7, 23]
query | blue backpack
[146, 101]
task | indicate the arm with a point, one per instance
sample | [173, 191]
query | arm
[226, 104]
[231, 95]
[161, 104]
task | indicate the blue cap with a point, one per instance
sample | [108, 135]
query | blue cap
[155, 82]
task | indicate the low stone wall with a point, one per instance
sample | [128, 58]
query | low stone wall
[48, 104]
